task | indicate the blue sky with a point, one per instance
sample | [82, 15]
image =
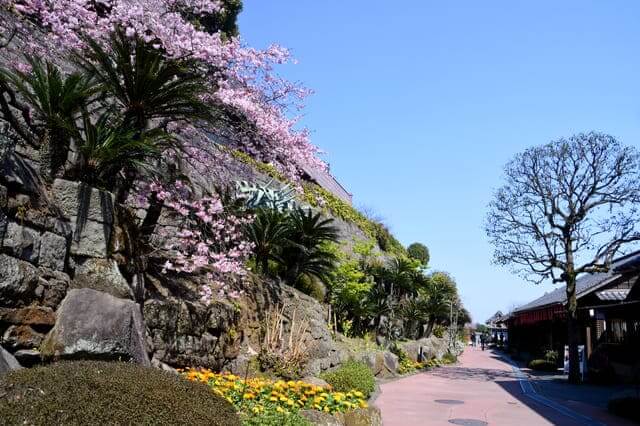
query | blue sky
[419, 104]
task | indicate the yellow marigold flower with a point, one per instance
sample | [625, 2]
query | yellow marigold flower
[279, 409]
[317, 407]
[290, 402]
[255, 410]
[358, 394]
[363, 404]
[283, 398]
[248, 395]
[273, 399]
[326, 409]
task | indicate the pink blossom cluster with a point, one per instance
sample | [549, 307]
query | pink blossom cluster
[241, 77]
[209, 240]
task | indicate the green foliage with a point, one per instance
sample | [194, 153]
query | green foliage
[318, 197]
[56, 101]
[269, 233]
[295, 241]
[273, 418]
[449, 358]
[106, 148]
[352, 375]
[542, 365]
[81, 392]
[419, 252]
[148, 87]
[305, 254]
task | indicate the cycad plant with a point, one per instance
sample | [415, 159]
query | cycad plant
[295, 241]
[144, 84]
[305, 253]
[56, 101]
[269, 233]
[106, 147]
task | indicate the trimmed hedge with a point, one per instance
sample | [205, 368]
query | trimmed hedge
[352, 375]
[542, 365]
[95, 392]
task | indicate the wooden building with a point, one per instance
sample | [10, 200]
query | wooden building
[608, 315]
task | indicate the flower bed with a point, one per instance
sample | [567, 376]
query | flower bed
[258, 396]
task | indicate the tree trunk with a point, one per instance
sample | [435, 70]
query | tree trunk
[573, 332]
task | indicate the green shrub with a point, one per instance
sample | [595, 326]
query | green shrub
[352, 375]
[449, 358]
[273, 418]
[90, 392]
[542, 365]
[625, 407]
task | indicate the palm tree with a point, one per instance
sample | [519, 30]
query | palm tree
[57, 101]
[143, 82]
[304, 253]
[107, 147]
[148, 90]
[269, 234]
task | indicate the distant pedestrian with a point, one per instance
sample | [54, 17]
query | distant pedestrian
[482, 340]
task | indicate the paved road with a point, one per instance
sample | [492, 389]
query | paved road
[480, 388]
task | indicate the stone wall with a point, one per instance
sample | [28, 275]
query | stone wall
[67, 291]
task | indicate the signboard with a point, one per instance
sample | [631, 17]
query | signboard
[582, 360]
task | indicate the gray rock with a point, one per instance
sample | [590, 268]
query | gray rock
[319, 418]
[53, 251]
[95, 325]
[8, 362]
[432, 347]
[90, 238]
[316, 381]
[370, 416]
[76, 199]
[18, 281]
[101, 275]
[22, 242]
[391, 362]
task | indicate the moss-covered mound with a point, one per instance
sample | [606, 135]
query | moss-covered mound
[103, 393]
[352, 375]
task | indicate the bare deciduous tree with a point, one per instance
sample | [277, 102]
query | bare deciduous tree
[567, 208]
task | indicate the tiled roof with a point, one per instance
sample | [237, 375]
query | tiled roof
[328, 182]
[585, 283]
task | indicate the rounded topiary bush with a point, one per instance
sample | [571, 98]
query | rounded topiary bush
[352, 375]
[542, 365]
[92, 392]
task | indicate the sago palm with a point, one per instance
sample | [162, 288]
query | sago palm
[144, 83]
[106, 148]
[304, 253]
[269, 234]
[56, 101]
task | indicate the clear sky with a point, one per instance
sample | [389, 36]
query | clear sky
[420, 103]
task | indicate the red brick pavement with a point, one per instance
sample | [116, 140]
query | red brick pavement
[489, 390]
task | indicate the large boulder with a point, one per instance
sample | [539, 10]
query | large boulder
[370, 416]
[7, 362]
[96, 325]
[53, 251]
[91, 213]
[22, 241]
[18, 281]
[431, 347]
[382, 363]
[101, 275]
